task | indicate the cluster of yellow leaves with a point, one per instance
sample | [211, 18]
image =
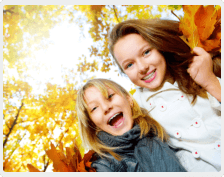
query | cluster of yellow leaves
[201, 26]
[106, 67]
[86, 66]
[103, 17]
[71, 162]
[141, 11]
[44, 118]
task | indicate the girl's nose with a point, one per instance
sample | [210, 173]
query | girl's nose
[142, 67]
[107, 107]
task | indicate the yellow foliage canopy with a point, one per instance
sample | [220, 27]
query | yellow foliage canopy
[44, 115]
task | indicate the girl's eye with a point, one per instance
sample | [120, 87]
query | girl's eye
[93, 109]
[147, 52]
[129, 65]
[111, 95]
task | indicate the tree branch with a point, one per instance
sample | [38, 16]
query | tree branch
[175, 14]
[10, 130]
[9, 10]
[5, 11]
[46, 164]
[115, 12]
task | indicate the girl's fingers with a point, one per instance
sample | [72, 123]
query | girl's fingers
[199, 51]
[192, 72]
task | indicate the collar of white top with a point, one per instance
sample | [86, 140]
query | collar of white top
[166, 86]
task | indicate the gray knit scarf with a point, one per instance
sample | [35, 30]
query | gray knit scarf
[151, 153]
[125, 142]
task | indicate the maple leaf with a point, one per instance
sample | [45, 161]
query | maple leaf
[58, 160]
[188, 27]
[201, 26]
[205, 21]
[71, 162]
[32, 168]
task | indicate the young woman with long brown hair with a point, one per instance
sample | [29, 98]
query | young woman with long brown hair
[177, 86]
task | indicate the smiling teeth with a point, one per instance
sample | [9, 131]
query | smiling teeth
[150, 75]
[113, 117]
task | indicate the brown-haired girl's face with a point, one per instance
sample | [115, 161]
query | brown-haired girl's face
[113, 114]
[145, 66]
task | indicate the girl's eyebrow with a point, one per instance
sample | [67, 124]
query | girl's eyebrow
[96, 100]
[125, 61]
[109, 90]
[91, 102]
[144, 46]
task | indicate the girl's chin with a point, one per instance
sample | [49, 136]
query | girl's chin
[121, 130]
[153, 86]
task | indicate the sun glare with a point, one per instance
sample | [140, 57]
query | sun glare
[66, 48]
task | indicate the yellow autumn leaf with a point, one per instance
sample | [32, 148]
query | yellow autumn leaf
[201, 26]
[132, 91]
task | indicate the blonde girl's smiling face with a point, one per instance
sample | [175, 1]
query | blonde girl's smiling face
[113, 114]
[144, 65]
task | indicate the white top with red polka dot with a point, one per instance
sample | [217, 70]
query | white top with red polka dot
[195, 128]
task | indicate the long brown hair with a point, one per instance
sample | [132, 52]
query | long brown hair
[88, 129]
[163, 35]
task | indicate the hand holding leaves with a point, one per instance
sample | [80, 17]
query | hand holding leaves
[201, 71]
[201, 68]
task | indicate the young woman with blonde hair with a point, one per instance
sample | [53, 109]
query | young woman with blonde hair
[123, 135]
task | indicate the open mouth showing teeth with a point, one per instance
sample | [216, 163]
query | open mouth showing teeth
[149, 76]
[116, 119]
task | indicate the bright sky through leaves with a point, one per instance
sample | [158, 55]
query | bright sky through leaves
[40, 86]
[66, 46]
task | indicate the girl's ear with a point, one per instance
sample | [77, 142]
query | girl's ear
[130, 101]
